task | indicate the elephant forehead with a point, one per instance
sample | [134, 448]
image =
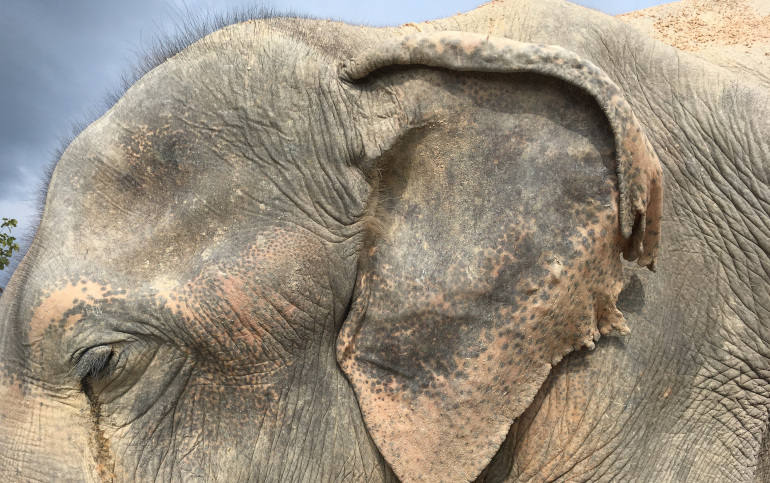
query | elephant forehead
[154, 201]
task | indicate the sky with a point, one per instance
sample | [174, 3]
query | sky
[60, 59]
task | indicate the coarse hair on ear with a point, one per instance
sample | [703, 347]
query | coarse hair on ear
[508, 201]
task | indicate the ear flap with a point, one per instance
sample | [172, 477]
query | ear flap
[638, 169]
[506, 202]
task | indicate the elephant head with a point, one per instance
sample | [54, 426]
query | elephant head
[283, 257]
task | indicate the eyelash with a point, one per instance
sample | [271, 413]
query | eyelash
[94, 364]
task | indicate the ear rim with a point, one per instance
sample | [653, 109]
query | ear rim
[638, 169]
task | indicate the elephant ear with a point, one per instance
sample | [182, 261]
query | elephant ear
[510, 179]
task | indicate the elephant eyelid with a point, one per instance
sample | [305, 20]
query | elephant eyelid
[93, 362]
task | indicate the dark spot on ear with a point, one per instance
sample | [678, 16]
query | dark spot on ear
[631, 298]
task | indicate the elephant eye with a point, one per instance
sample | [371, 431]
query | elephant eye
[95, 363]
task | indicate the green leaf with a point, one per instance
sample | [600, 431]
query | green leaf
[8, 243]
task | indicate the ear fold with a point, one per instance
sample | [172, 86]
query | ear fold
[506, 201]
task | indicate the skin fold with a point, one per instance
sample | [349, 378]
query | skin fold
[300, 250]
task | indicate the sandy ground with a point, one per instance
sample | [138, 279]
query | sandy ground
[732, 33]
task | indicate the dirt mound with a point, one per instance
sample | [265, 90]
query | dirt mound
[732, 33]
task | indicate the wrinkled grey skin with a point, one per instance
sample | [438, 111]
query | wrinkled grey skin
[204, 243]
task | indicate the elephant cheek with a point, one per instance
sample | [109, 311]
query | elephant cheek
[44, 438]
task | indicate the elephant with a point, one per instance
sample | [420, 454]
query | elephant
[302, 250]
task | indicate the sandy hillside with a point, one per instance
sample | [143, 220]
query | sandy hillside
[731, 33]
